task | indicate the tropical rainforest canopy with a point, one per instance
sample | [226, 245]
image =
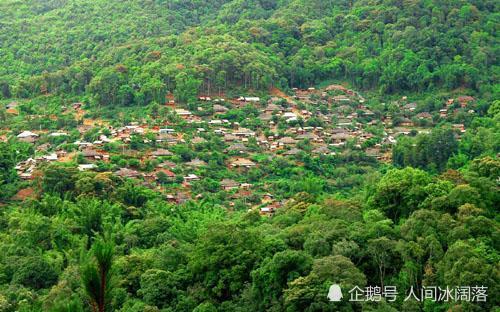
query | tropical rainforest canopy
[94, 241]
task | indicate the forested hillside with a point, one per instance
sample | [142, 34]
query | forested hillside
[392, 46]
[247, 155]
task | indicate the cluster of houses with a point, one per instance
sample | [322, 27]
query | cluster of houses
[330, 121]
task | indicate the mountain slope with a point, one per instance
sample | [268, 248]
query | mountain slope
[393, 46]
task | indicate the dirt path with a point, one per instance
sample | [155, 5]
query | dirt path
[67, 158]
[277, 92]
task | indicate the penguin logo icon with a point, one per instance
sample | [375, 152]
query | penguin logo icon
[334, 293]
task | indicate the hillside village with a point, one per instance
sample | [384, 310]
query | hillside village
[176, 151]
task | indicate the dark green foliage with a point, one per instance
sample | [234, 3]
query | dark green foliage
[10, 154]
[426, 151]
[145, 50]
[198, 256]
[400, 191]
[35, 272]
[271, 279]
[223, 260]
[97, 276]
[59, 179]
[158, 288]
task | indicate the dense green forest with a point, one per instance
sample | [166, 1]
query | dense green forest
[133, 51]
[108, 239]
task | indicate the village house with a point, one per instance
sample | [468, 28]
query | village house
[344, 122]
[190, 178]
[406, 122]
[403, 131]
[103, 138]
[305, 114]
[220, 131]
[57, 134]
[86, 167]
[410, 107]
[286, 141]
[443, 113]
[167, 138]
[243, 132]
[196, 163]
[237, 147]
[266, 117]
[11, 108]
[373, 152]
[252, 99]
[273, 108]
[341, 99]
[424, 115]
[167, 164]
[322, 150]
[302, 95]
[459, 127]
[82, 144]
[185, 114]
[215, 122]
[92, 154]
[134, 129]
[364, 136]
[194, 120]
[170, 198]
[289, 116]
[230, 138]
[50, 157]
[83, 128]
[266, 211]
[26, 168]
[43, 148]
[220, 109]
[339, 139]
[11, 105]
[267, 198]
[27, 136]
[228, 184]
[127, 173]
[242, 163]
[464, 100]
[61, 153]
[98, 143]
[336, 88]
[166, 131]
[367, 113]
[388, 140]
[161, 153]
[170, 103]
[270, 209]
[158, 172]
[181, 198]
[309, 136]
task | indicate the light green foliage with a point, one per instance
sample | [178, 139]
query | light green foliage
[400, 191]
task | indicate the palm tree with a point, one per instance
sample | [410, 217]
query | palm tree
[97, 276]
